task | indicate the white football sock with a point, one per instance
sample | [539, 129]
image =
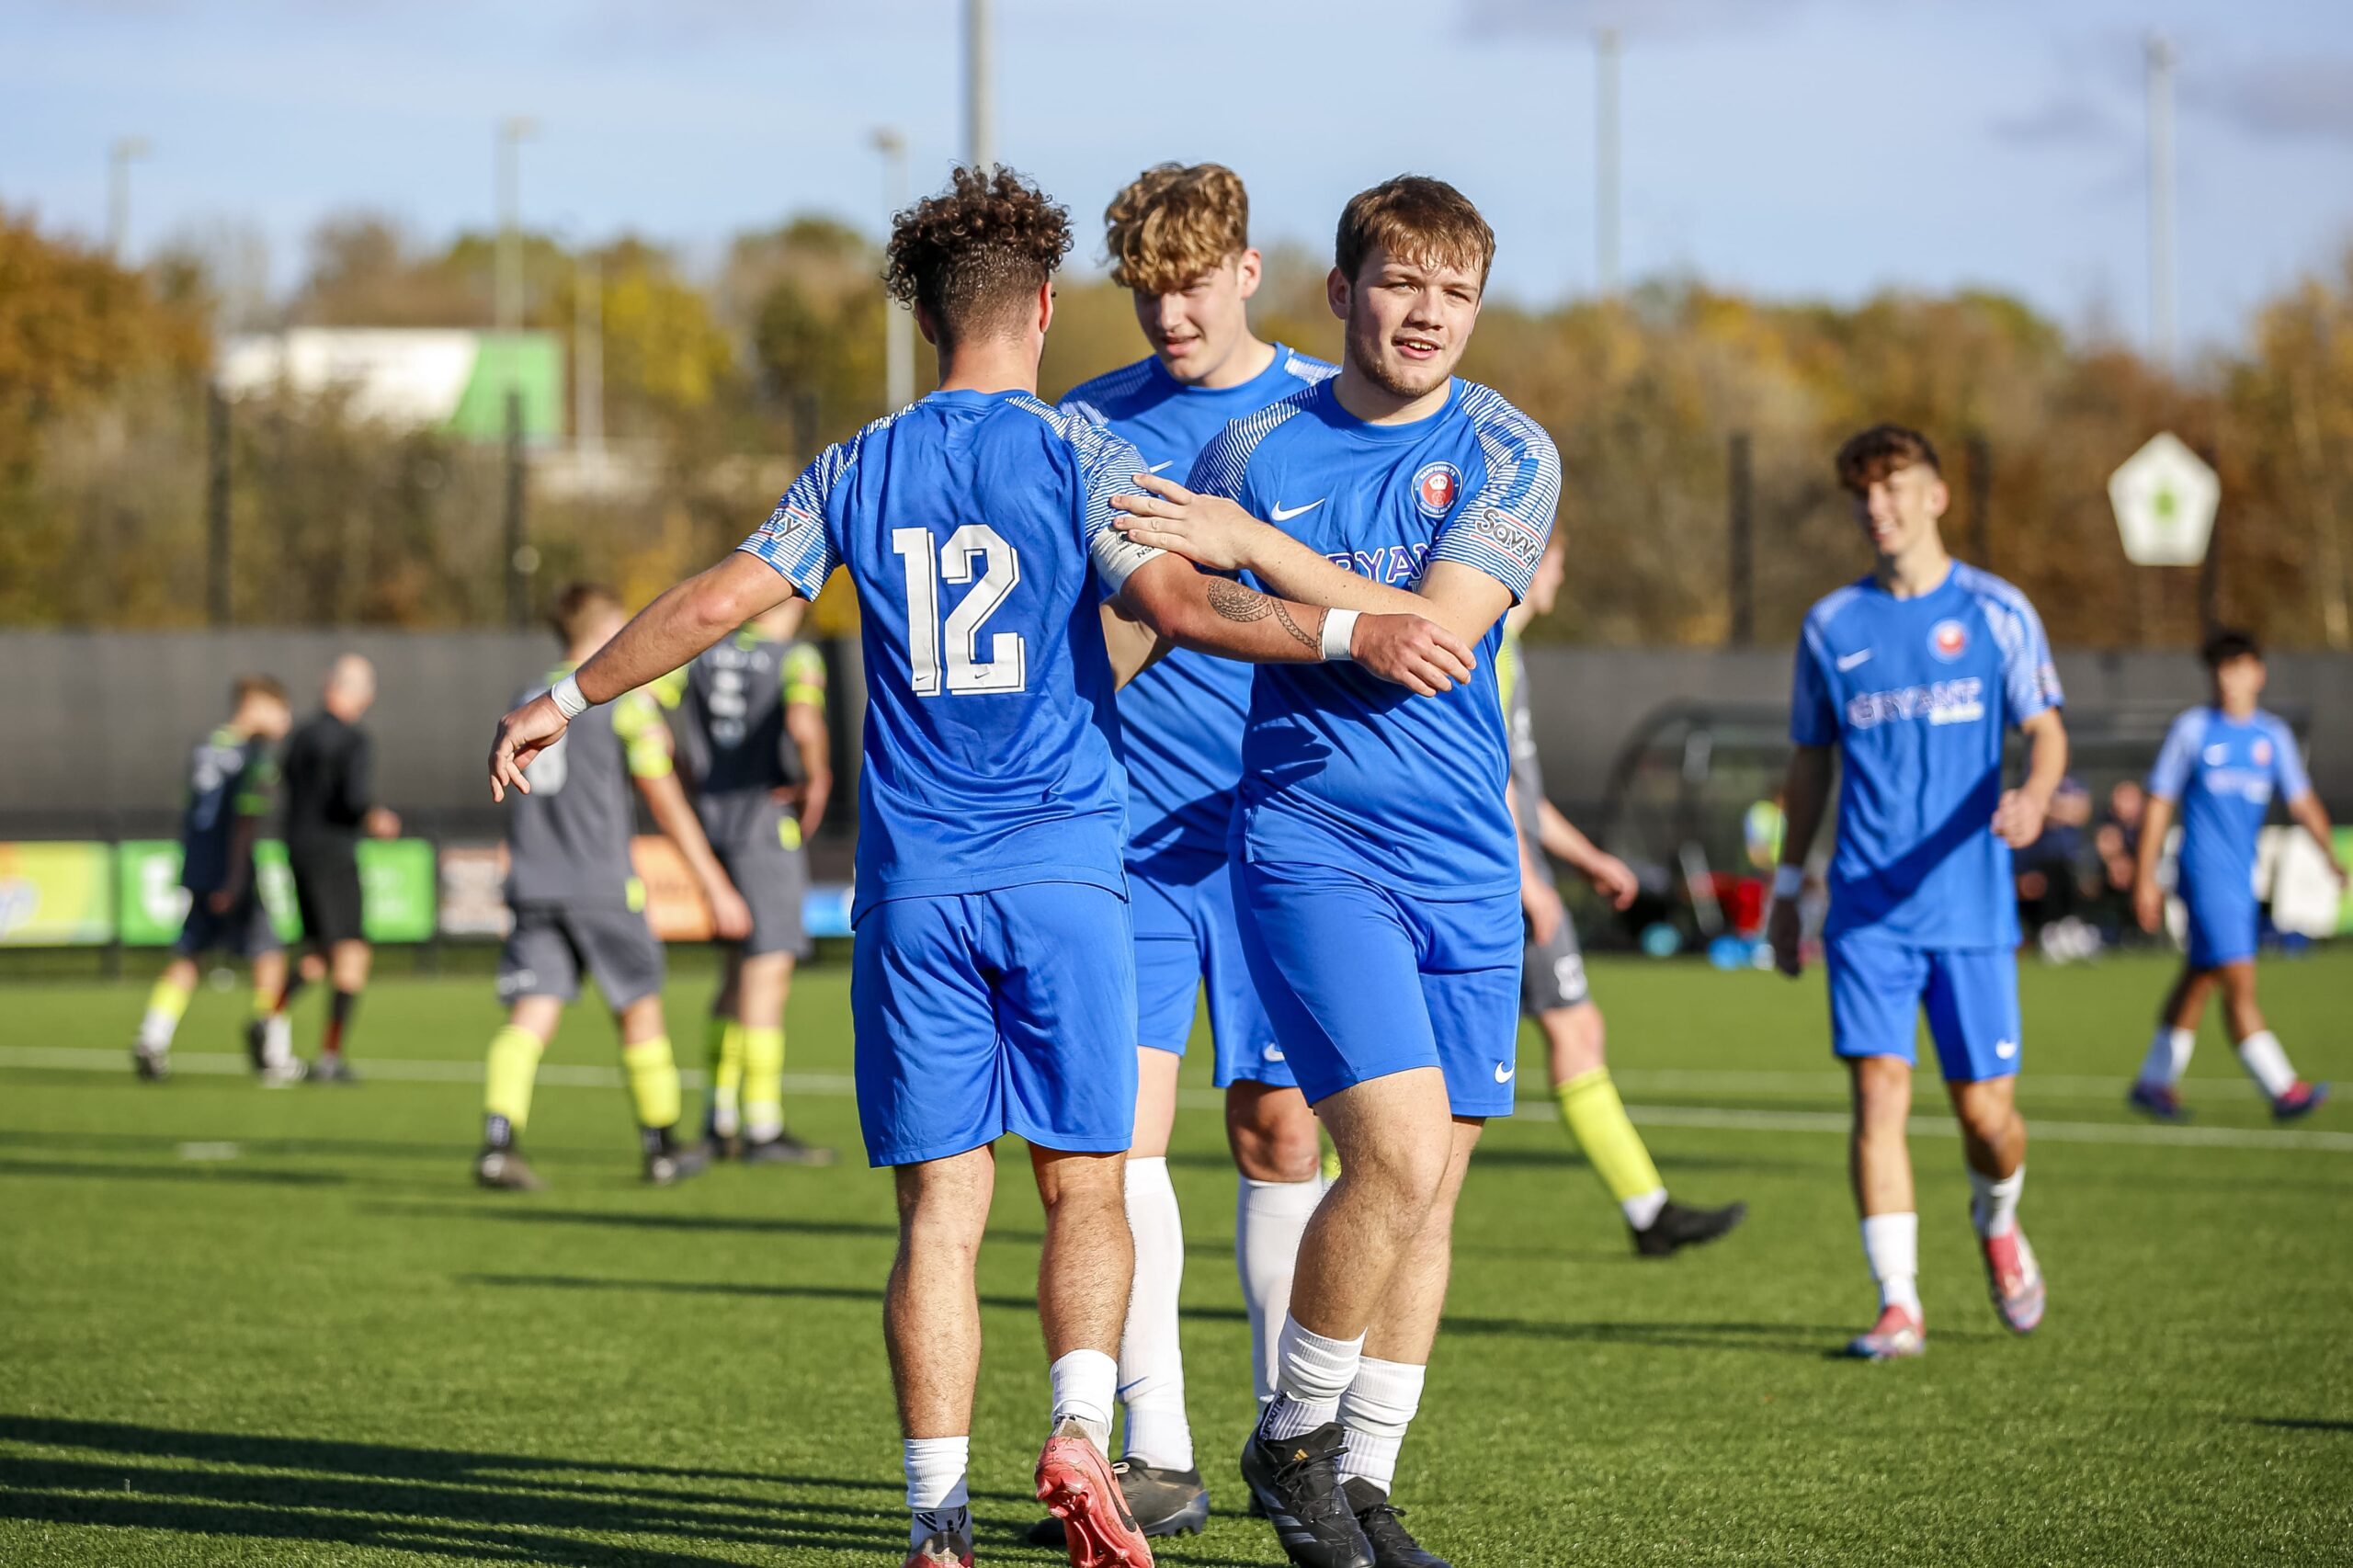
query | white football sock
[1643, 1208]
[1087, 1383]
[1312, 1373]
[1892, 1246]
[2267, 1063]
[2168, 1056]
[1269, 1219]
[936, 1493]
[156, 1030]
[1152, 1363]
[1993, 1205]
[1376, 1411]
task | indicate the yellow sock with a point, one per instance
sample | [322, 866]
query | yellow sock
[1331, 1164]
[726, 1074]
[265, 1002]
[165, 1006]
[652, 1081]
[1596, 1118]
[763, 1083]
[514, 1063]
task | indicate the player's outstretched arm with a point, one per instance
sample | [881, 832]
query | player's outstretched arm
[666, 633]
[1566, 842]
[2313, 817]
[666, 798]
[2148, 899]
[1805, 794]
[2018, 817]
[1217, 615]
[1217, 533]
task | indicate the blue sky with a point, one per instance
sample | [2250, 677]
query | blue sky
[1792, 148]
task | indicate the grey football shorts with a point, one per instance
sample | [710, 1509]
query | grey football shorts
[1551, 974]
[773, 881]
[550, 944]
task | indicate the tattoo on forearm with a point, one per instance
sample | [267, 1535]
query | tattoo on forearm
[1234, 601]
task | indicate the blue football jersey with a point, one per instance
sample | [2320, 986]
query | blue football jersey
[1182, 718]
[976, 528]
[1918, 694]
[1342, 769]
[2222, 773]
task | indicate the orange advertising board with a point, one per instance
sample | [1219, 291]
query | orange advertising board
[674, 904]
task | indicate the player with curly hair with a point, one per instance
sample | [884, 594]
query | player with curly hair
[993, 990]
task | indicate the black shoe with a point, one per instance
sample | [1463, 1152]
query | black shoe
[1165, 1502]
[784, 1149]
[1378, 1516]
[1676, 1226]
[257, 1043]
[333, 1069]
[1296, 1481]
[151, 1066]
[668, 1163]
[504, 1170]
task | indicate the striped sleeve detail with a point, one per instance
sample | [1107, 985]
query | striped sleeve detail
[2030, 678]
[797, 539]
[1504, 527]
[1225, 461]
[1089, 400]
[1307, 368]
[1107, 466]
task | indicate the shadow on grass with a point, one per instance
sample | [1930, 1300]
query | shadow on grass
[459, 1153]
[445, 1502]
[188, 1171]
[864, 1294]
[527, 1211]
[2299, 1424]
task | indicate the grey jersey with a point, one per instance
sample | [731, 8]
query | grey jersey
[732, 736]
[569, 841]
[1519, 724]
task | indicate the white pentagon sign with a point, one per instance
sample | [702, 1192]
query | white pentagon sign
[2164, 497]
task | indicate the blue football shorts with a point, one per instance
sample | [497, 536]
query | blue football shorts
[1189, 937]
[1879, 987]
[988, 1013]
[1363, 981]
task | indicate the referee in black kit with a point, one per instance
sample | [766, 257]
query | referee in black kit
[327, 768]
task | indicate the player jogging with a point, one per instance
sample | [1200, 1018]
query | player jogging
[750, 713]
[1553, 989]
[2221, 767]
[577, 905]
[1380, 876]
[231, 791]
[329, 766]
[1915, 672]
[993, 991]
[1179, 242]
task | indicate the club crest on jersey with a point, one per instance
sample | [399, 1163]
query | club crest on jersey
[1434, 488]
[1948, 640]
[2263, 754]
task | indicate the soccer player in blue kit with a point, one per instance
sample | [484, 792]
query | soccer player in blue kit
[1378, 865]
[1179, 241]
[1914, 674]
[994, 986]
[2221, 767]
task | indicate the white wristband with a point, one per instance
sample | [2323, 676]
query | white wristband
[568, 700]
[1788, 882]
[1339, 628]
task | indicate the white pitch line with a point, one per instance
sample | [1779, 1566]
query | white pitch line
[76, 1058]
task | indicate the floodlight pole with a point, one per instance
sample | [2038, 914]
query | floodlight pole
[898, 325]
[2161, 58]
[1605, 159]
[588, 358]
[512, 132]
[979, 98]
[120, 155]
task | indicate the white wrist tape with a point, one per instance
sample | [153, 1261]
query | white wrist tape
[1788, 882]
[1339, 628]
[568, 700]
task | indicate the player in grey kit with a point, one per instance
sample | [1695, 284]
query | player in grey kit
[750, 716]
[577, 905]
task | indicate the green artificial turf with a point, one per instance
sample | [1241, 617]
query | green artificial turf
[252, 1327]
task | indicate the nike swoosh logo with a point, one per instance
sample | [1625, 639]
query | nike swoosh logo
[1158, 467]
[1285, 514]
[1504, 1071]
[1848, 661]
[2006, 1048]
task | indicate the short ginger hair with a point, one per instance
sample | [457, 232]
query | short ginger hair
[1413, 218]
[578, 604]
[1173, 223]
[1871, 455]
[972, 256]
